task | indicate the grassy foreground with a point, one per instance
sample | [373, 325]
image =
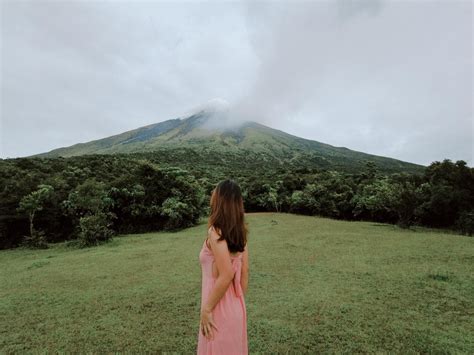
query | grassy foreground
[316, 285]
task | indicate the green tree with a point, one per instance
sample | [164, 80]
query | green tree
[174, 210]
[448, 192]
[376, 200]
[89, 205]
[269, 198]
[405, 202]
[33, 203]
[88, 198]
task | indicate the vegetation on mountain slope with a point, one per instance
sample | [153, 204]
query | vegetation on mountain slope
[234, 144]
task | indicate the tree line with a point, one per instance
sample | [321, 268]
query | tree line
[86, 200]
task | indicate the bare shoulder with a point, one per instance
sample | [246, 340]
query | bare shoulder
[213, 234]
[215, 231]
[213, 237]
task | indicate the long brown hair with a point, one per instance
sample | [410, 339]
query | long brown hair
[227, 215]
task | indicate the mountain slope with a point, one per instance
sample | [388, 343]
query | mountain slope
[211, 130]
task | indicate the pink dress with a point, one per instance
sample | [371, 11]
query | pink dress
[229, 314]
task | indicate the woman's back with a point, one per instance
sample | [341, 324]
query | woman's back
[230, 312]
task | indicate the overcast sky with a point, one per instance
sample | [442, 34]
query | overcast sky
[391, 78]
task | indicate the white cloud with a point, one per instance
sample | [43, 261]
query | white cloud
[384, 77]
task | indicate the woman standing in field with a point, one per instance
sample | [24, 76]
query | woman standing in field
[225, 269]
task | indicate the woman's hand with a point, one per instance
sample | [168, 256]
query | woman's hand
[207, 322]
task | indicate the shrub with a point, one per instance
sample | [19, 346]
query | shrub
[465, 223]
[36, 240]
[94, 229]
[174, 210]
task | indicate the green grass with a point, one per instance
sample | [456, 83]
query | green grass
[316, 285]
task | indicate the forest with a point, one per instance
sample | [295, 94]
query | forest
[88, 199]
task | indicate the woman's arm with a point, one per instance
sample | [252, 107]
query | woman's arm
[224, 266]
[244, 278]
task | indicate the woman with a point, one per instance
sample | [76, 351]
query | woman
[225, 268]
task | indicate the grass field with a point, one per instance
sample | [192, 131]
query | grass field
[316, 285]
